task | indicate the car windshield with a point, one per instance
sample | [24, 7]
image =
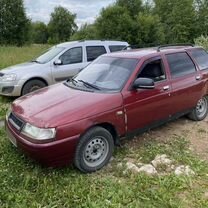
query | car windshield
[107, 73]
[49, 55]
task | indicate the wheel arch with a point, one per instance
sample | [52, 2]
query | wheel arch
[34, 78]
[109, 127]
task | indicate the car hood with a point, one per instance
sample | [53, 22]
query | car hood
[20, 68]
[58, 105]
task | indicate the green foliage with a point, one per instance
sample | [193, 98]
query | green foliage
[201, 17]
[115, 23]
[86, 32]
[133, 6]
[150, 31]
[14, 25]
[202, 41]
[39, 33]
[178, 19]
[62, 25]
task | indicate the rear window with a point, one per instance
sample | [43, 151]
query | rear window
[114, 48]
[180, 64]
[94, 51]
[201, 57]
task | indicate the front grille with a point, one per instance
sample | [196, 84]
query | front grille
[15, 121]
[1, 74]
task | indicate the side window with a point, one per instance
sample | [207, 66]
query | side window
[201, 57]
[153, 70]
[114, 48]
[94, 51]
[180, 64]
[72, 56]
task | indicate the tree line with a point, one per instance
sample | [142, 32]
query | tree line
[140, 22]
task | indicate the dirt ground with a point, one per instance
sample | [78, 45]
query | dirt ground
[195, 132]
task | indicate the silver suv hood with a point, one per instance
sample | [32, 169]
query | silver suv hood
[20, 68]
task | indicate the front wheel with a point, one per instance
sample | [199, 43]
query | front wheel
[94, 150]
[32, 86]
[200, 111]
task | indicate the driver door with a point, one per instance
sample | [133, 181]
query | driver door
[71, 64]
[148, 107]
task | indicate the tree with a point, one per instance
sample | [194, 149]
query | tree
[133, 6]
[86, 32]
[201, 8]
[115, 23]
[150, 31]
[39, 32]
[14, 25]
[178, 18]
[62, 25]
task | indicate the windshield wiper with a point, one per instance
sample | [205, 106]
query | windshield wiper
[89, 84]
[74, 81]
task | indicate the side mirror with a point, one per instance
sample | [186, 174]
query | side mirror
[57, 62]
[144, 83]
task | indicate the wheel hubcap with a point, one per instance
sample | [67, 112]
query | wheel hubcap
[201, 107]
[35, 87]
[96, 151]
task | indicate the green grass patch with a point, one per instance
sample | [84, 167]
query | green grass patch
[25, 183]
[13, 55]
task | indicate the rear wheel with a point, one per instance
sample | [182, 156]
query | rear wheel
[94, 150]
[32, 86]
[200, 111]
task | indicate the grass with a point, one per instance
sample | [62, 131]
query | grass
[14, 55]
[24, 183]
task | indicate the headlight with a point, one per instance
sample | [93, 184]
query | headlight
[38, 133]
[8, 78]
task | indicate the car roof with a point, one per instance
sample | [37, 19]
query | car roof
[140, 53]
[91, 42]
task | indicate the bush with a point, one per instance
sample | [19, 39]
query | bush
[202, 41]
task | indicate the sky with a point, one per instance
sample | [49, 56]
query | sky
[86, 10]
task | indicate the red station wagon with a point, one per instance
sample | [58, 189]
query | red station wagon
[118, 95]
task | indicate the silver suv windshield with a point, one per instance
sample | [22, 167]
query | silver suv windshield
[107, 73]
[49, 55]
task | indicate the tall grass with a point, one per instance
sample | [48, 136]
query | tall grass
[10, 55]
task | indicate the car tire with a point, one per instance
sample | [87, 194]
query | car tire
[94, 150]
[200, 111]
[32, 85]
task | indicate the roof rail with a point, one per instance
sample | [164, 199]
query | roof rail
[172, 45]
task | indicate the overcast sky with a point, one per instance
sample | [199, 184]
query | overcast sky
[86, 10]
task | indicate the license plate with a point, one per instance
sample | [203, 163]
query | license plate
[11, 137]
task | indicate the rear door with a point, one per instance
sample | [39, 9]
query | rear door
[186, 82]
[147, 107]
[72, 63]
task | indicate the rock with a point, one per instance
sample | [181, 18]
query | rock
[120, 165]
[184, 170]
[132, 167]
[140, 165]
[161, 160]
[148, 169]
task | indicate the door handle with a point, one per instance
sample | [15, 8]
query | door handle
[167, 87]
[198, 77]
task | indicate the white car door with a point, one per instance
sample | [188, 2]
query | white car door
[71, 63]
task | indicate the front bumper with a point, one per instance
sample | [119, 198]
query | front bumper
[53, 154]
[11, 88]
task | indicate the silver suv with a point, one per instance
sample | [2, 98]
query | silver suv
[57, 64]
